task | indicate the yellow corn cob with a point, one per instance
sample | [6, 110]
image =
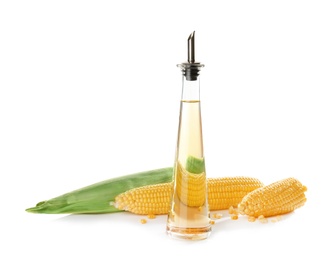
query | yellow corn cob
[225, 192]
[190, 187]
[151, 199]
[155, 199]
[277, 198]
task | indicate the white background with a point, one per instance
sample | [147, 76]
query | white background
[89, 90]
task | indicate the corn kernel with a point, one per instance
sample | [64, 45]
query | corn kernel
[233, 211]
[262, 219]
[212, 222]
[251, 219]
[276, 219]
[217, 216]
[234, 217]
[230, 210]
[143, 221]
[151, 216]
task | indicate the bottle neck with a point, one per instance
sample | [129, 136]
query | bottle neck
[190, 89]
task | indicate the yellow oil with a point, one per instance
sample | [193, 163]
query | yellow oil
[189, 214]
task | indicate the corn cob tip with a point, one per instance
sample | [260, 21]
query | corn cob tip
[118, 205]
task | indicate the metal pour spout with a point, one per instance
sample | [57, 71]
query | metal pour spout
[191, 68]
[191, 48]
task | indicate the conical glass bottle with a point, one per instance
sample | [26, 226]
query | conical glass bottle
[188, 217]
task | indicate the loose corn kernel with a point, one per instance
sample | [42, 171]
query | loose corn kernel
[151, 216]
[230, 210]
[263, 219]
[217, 216]
[212, 222]
[143, 221]
[276, 219]
[233, 211]
[234, 217]
[251, 219]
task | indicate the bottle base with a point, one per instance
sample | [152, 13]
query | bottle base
[189, 233]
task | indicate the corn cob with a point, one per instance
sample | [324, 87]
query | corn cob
[190, 187]
[96, 197]
[280, 197]
[155, 199]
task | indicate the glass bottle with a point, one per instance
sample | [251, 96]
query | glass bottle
[188, 217]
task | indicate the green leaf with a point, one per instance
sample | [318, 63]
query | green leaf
[195, 165]
[96, 198]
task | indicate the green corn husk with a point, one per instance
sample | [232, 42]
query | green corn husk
[195, 165]
[96, 198]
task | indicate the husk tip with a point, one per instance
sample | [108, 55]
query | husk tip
[37, 208]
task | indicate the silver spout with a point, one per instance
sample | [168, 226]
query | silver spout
[191, 48]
